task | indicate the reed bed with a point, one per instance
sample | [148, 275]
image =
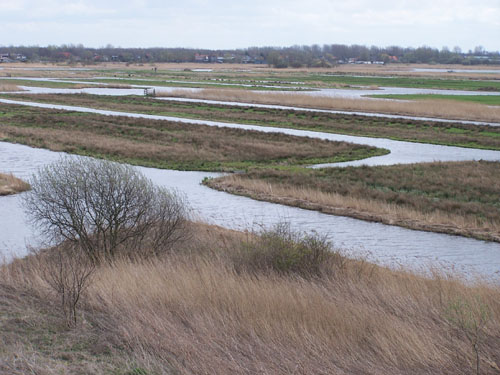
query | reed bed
[194, 312]
[426, 108]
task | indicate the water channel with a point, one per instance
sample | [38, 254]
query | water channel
[388, 245]
[328, 92]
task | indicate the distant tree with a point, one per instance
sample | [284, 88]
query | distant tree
[479, 50]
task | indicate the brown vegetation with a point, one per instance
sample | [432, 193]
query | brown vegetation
[420, 131]
[167, 144]
[456, 198]
[9, 88]
[426, 108]
[12, 185]
[197, 310]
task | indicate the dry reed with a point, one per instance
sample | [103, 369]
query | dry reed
[9, 88]
[446, 109]
[192, 313]
[12, 185]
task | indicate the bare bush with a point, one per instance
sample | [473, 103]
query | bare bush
[287, 252]
[104, 207]
[69, 272]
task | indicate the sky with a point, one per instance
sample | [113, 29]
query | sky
[228, 24]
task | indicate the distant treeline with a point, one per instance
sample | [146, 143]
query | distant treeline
[281, 57]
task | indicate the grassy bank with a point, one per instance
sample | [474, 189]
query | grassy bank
[12, 185]
[167, 144]
[442, 109]
[215, 304]
[456, 198]
[455, 134]
[482, 99]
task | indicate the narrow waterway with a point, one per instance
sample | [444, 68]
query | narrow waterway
[384, 244]
[400, 152]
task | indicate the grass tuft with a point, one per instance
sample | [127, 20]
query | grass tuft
[12, 185]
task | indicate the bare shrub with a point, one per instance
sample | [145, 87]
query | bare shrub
[282, 250]
[69, 272]
[104, 207]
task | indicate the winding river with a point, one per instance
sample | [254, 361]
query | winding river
[388, 245]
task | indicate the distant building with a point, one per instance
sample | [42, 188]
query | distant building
[247, 60]
[65, 55]
[201, 58]
[12, 57]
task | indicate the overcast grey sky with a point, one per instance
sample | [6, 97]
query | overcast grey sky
[224, 24]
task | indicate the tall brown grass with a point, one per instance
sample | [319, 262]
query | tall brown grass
[446, 109]
[194, 312]
[12, 185]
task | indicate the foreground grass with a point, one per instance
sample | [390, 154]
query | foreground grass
[457, 198]
[166, 144]
[12, 185]
[482, 99]
[428, 108]
[216, 305]
[455, 134]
